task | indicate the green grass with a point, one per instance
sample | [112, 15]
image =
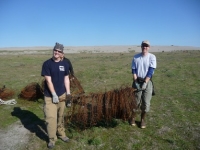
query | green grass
[172, 123]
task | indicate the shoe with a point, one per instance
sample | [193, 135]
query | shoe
[65, 139]
[133, 122]
[50, 145]
[143, 115]
[143, 125]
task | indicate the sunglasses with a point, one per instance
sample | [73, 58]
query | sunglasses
[58, 51]
[145, 45]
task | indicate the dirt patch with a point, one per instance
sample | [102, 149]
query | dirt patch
[14, 137]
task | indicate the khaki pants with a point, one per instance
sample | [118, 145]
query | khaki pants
[54, 117]
[143, 98]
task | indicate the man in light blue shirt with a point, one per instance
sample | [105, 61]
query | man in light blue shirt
[143, 66]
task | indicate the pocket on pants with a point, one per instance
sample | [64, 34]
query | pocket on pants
[62, 98]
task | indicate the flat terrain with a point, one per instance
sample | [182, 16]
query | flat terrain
[172, 123]
[92, 49]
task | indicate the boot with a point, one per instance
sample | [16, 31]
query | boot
[133, 119]
[65, 139]
[143, 115]
[50, 145]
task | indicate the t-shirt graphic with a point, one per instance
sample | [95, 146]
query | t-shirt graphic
[62, 68]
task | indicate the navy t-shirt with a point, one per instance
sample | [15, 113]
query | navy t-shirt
[57, 71]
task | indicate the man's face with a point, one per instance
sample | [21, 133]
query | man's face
[57, 53]
[145, 48]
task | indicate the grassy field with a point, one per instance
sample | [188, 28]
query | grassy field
[172, 123]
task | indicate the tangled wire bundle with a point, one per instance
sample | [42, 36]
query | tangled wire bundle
[75, 86]
[99, 108]
[34, 91]
[93, 109]
[5, 93]
[31, 92]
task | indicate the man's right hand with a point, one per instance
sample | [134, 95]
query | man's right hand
[137, 85]
[55, 98]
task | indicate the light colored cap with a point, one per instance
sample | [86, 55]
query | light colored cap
[145, 42]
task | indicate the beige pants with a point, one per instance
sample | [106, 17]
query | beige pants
[54, 117]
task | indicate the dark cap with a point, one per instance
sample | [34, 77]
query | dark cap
[59, 47]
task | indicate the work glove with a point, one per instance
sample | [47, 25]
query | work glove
[137, 85]
[68, 100]
[55, 98]
[144, 86]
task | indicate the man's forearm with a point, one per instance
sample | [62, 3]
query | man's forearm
[134, 77]
[50, 84]
[67, 84]
[147, 79]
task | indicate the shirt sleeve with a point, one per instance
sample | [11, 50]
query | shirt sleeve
[150, 72]
[45, 70]
[153, 63]
[133, 71]
[133, 64]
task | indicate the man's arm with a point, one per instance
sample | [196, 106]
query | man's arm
[134, 74]
[67, 84]
[134, 77]
[147, 79]
[149, 74]
[52, 90]
[49, 84]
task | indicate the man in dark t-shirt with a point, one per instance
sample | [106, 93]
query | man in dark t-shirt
[57, 86]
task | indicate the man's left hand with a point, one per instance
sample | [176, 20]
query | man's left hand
[68, 100]
[144, 86]
[68, 96]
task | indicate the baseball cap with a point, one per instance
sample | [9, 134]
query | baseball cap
[145, 42]
[58, 46]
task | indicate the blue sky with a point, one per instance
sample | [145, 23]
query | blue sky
[99, 22]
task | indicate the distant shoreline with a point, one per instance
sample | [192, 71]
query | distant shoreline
[95, 49]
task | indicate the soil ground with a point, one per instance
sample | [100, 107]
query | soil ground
[14, 137]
